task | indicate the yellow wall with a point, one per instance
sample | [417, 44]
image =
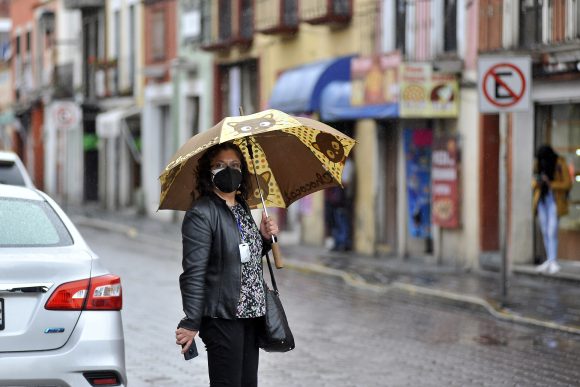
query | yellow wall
[365, 200]
[277, 53]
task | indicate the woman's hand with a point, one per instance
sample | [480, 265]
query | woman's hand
[268, 227]
[184, 337]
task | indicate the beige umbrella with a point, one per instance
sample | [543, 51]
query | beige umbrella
[290, 157]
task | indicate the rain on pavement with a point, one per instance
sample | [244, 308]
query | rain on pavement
[344, 337]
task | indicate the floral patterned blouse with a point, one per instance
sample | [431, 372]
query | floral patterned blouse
[252, 299]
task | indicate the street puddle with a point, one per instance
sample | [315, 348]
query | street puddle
[490, 340]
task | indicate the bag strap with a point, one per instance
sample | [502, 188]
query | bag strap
[271, 273]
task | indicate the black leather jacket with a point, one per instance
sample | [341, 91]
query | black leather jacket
[211, 279]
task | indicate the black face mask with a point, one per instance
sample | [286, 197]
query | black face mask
[227, 180]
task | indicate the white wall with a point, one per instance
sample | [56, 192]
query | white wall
[468, 126]
[155, 95]
[520, 237]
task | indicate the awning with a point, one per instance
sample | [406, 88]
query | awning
[109, 122]
[299, 90]
[336, 105]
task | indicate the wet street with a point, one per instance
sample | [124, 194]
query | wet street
[344, 337]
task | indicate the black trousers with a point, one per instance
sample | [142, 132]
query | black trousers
[232, 351]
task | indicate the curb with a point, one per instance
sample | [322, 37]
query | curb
[351, 279]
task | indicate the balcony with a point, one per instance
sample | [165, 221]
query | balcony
[326, 11]
[216, 25]
[63, 81]
[276, 16]
[225, 23]
[80, 4]
[245, 25]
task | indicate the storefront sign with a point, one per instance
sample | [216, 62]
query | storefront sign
[375, 79]
[427, 94]
[504, 84]
[445, 185]
[418, 168]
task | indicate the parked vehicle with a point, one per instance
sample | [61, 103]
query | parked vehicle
[13, 171]
[60, 309]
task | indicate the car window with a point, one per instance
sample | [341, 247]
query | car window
[30, 223]
[9, 174]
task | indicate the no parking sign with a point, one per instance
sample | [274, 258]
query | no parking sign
[66, 114]
[504, 84]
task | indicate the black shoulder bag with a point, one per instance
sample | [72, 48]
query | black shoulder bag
[276, 335]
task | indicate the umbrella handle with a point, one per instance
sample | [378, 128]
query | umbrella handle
[277, 255]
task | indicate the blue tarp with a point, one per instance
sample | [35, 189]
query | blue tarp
[336, 105]
[299, 90]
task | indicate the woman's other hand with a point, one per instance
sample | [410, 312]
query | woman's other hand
[268, 227]
[184, 337]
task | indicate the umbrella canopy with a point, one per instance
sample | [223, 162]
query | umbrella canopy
[293, 156]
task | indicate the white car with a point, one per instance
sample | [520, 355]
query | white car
[60, 309]
[13, 171]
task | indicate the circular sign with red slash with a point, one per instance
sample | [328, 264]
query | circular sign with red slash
[504, 85]
[66, 115]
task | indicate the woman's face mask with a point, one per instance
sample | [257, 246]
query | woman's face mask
[227, 179]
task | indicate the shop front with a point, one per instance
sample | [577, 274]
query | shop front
[367, 108]
[299, 91]
[430, 136]
[558, 124]
[553, 120]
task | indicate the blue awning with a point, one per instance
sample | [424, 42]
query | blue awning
[299, 90]
[336, 105]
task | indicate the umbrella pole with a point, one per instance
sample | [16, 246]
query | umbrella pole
[278, 261]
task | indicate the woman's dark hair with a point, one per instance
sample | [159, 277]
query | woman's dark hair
[203, 171]
[547, 160]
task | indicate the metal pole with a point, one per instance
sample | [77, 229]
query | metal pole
[503, 229]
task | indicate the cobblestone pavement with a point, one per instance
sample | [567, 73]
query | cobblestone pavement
[546, 301]
[345, 336]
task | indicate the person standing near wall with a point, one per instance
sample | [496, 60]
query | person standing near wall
[551, 185]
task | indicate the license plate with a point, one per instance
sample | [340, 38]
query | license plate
[1, 314]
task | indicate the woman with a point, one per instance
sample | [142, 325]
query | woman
[222, 284]
[551, 185]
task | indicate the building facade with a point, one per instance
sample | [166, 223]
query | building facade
[549, 33]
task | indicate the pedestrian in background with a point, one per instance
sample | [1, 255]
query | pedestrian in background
[551, 185]
[222, 285]
[338, 209]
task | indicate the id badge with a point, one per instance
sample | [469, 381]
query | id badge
[245, 252]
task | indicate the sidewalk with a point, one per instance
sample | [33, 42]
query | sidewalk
[550, 302]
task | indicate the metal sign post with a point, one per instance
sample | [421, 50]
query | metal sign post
[504, 85]
[503, 166]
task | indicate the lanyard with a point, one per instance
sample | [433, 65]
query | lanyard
[239, 228]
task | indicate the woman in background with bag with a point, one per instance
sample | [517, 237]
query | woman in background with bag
[551, 185]
[221, 244]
